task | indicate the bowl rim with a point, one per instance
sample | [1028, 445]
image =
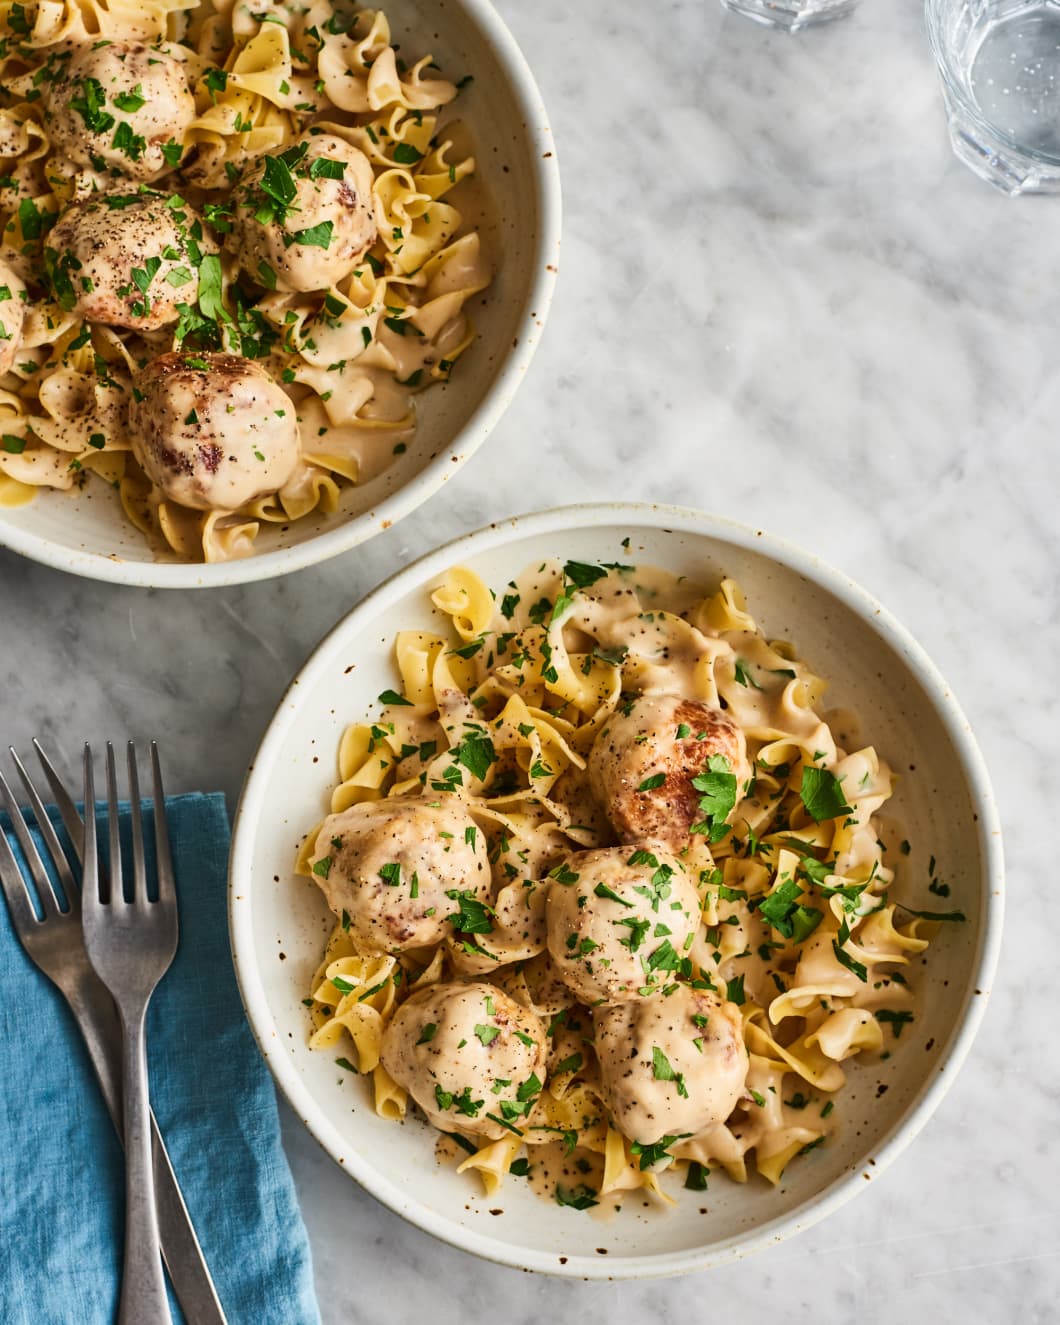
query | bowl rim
[331, 542]
[628, 516]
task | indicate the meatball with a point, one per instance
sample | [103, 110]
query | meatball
[671, 1065]
[213, 431]
[465, 1051]
[620, 922]
[399, 871]
[12, 315]
[318, 235]
[120, 105]
[642, 764]
[127, 260]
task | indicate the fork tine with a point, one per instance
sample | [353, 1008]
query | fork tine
[139, 890]
[47, 831]
[22, 913]
[163, 860]
[114, 872]
[71, 819]
[90, 894]
[47, 897]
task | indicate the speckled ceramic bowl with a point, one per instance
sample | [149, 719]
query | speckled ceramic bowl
[87, 533]
[943, 805]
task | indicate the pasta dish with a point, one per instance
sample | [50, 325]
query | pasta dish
[612, 900]
[230, 261]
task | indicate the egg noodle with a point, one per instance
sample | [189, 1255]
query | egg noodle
[351, 357]
[798, 932]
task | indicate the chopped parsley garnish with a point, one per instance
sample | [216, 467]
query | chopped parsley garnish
[638, 929]
[843, 957]
[652, 1154]
[783, 911]
[325, 167]
[582, 574]
[391, 874]
[321, 867]
[392, 697]
[957, 916]
[487, 1034]
[896, 1020]
[717, 788]
[316, 236]
[743, 676]
[563, 875]
[662, 1070]
[649, 784]
[602, 890]
[130, 101]
[822, 795]
[734, 990]
[578, 1198]
[471, 915]
[89, 105]
[696, 1177]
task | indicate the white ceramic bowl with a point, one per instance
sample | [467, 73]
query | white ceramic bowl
[87, 533]
[943, 803]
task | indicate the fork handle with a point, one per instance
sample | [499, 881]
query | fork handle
[143, 1286]
[95, 1014]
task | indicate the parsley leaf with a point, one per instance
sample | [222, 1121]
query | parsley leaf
[822, 795]
[476, 752]
[717, 788]
[471, 915]
[896, 1020]
[578, 1198]
[582, 574]
[663, 1070]
[651, 1154]
[844, 958]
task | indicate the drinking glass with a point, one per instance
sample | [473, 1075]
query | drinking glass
[791, 14]
[999, 61]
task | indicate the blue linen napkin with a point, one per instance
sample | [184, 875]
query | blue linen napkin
[61, 1167]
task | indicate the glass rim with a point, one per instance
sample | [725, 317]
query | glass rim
[955, 91]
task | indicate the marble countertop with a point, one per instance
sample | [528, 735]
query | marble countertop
[783, 300]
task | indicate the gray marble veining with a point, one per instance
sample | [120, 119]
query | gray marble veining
[783, 300]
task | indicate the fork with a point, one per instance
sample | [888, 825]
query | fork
[55, 945]
[131, 944]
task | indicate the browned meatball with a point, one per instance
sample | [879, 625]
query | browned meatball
[320, 235]
[398, 871]
[120, 106]
[213, 431]
[671, 1065]
[642, 765]
[620, 922]
[127, 259]
[465, 1051]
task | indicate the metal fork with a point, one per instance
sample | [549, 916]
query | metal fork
[131, 945]
[55, 945]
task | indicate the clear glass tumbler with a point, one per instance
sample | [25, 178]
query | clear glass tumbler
[999, 61]
[791, 14]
